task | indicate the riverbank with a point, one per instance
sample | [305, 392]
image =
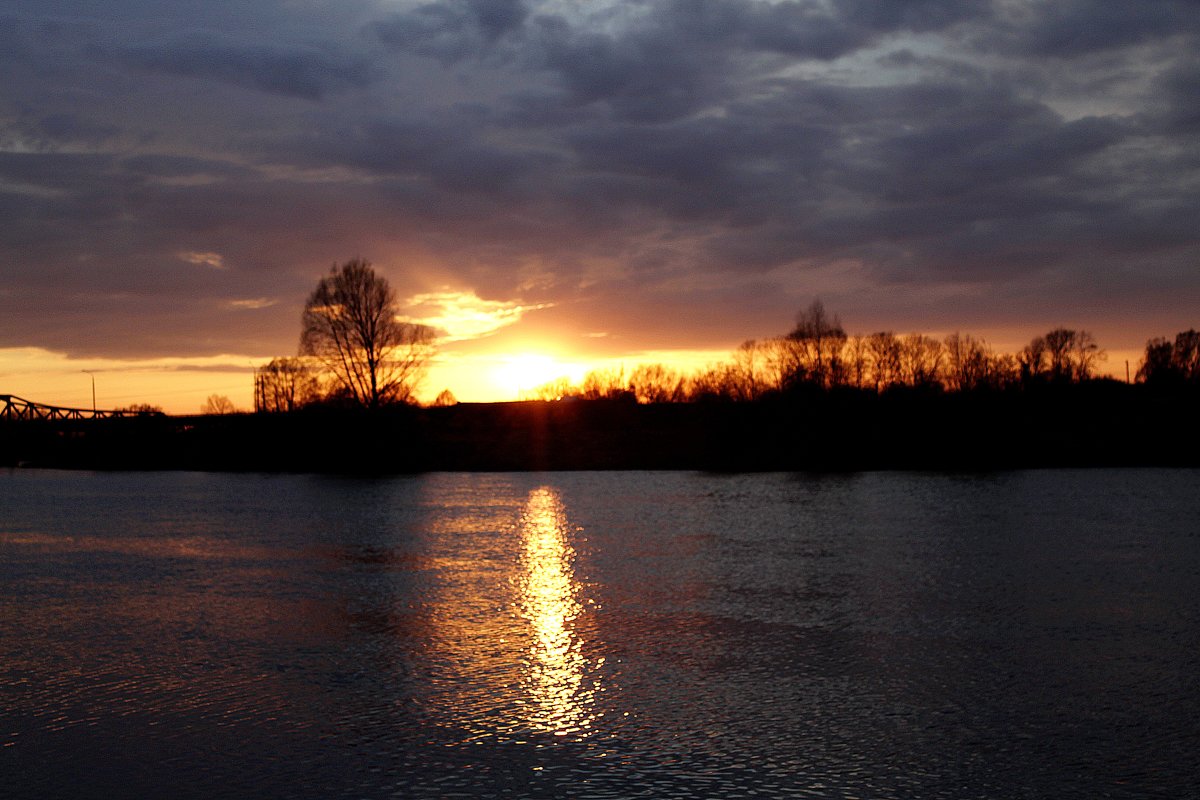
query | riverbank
[1100, 424]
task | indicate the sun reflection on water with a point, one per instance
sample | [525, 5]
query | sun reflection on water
[560, 696]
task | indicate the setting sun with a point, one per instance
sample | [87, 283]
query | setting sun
[527, 371]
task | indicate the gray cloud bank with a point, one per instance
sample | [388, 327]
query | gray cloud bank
[678, 174]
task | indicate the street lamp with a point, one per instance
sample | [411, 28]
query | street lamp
[93, 375]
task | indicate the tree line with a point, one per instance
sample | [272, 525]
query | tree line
[355, 351]
[818, 355]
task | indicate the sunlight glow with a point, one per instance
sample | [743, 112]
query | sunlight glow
[203, 259]
[527, 371]
[500, 376]
[459, 316]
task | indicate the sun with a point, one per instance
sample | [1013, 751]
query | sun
[524, 372]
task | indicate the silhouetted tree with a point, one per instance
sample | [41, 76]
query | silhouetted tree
[749, 374]
[1062, 355]
[445, 398]
[1158, 368]
[1005, 370]
[1186, 355]
[778, 361]
[1171, 363]
[969, 364]
[557, 389]
[711, 383]
[217, 404]
[1032, 359]
[885, 355]
[604, 384]
[921, 360]
[655, 383]
[285, 384]
[857, 358]
[817, 342]
[350, 326]
[1086, 355]
[1059, 346]
[140, 408]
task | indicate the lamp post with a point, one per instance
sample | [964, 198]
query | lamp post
[93, 376]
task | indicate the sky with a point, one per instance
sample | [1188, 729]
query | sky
[583, 183]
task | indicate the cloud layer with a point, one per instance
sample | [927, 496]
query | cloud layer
[678, 173]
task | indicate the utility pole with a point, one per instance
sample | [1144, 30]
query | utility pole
[93, 376]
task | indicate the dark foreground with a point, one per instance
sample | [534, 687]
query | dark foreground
[1100, 424]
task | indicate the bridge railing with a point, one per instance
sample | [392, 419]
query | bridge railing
[17, 408]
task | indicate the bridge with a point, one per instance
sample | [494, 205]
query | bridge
[16, 408]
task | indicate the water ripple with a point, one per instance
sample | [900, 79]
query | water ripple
[600, 636]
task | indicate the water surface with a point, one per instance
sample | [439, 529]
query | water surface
[595, 635]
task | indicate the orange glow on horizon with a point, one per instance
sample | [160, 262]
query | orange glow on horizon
[181, 385]
[524, 372]
[500, 376]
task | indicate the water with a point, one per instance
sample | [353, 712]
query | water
[600, 635]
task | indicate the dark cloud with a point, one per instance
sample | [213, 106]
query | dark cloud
[684, 167]
[682, 56]
[68, 127]
[308, 72]
[915, 15]
[1180, 88]
[169, 167]
[387, 145]
[453, 30]
[13, 45]
[672, 57]
[833, 169]
[1067, 28]
[497, 17]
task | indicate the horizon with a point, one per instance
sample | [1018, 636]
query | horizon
[488, 378]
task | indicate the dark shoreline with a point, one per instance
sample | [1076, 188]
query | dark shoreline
[1098, 424]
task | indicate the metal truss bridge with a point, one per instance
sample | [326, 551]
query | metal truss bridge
[16, 408]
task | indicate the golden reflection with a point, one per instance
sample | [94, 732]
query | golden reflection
[560, 697]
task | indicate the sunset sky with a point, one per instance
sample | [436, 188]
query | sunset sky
[557, 185]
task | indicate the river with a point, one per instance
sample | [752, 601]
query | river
[600, 635]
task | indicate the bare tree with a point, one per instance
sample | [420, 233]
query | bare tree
[1003, 370]
[969, 364]
[350, 326]
[1186, 354]
[557, 389]
[884, 349]
[1033, 360]
[779, 360]
[217, 404]
[445, 398]
[284, 384]
[818, 340]
[1167, 363]
[749, 374]
[141, 408]
[1157, 366]
[655, 383]
[1062, 355]
[603, 384]
[921, 358]
[710, 383]
[857, 358]
[1059, 344]
[1086, 355]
